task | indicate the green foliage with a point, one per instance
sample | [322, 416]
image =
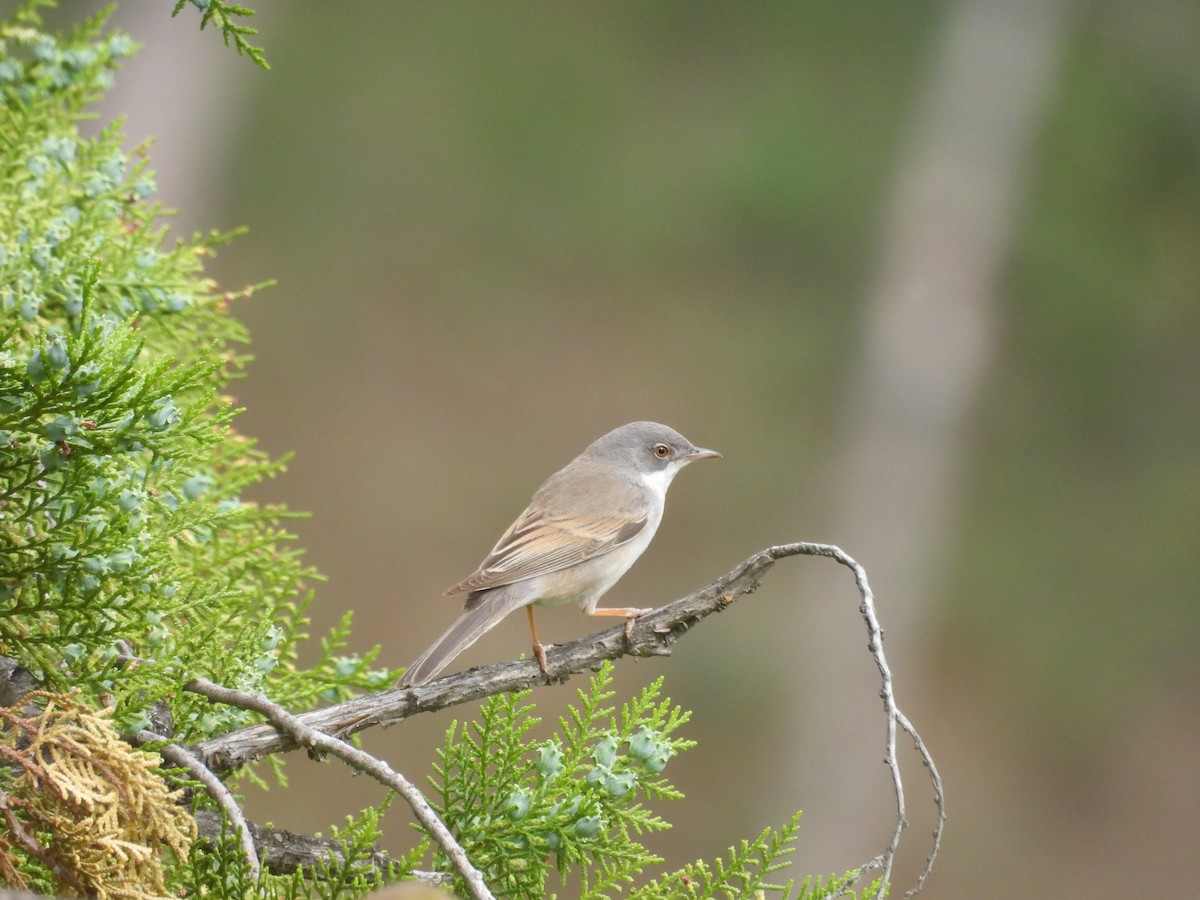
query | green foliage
[345, 876]
[222, 869]
[522, 808]
[745, 874]
[130, 560]
[225, 16]
[573, 799]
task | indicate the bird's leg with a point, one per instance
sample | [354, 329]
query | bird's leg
[629, 612]
[538, 650]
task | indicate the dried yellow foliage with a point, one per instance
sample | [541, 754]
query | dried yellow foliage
[90, 807]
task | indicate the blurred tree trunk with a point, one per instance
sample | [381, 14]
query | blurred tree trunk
[185, 89]
[930, 326]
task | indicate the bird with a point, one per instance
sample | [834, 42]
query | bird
[583, 529]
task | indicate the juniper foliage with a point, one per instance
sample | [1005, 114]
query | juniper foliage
[573, 805]
[227, 18]
[130, 558]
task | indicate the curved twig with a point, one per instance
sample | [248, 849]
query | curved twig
[358, 759]
[184, 758]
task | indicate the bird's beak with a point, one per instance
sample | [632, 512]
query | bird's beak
[701, 453]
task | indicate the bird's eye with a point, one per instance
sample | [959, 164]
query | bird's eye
[662, 451]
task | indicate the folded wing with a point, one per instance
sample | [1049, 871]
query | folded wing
[540, 542]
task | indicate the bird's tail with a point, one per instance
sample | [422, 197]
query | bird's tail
[486, 611]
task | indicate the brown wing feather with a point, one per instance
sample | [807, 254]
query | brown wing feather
[540, 542]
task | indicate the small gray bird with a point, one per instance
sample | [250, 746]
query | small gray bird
[586, 525]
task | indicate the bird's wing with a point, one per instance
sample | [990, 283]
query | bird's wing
[540, 542]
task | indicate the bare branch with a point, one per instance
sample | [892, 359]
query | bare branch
[284, 852]
[15, 681]
[307, 736]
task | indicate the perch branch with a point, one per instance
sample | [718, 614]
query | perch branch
[653, 634]
[307, 736]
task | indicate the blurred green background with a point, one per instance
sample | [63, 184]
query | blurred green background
[927, 274]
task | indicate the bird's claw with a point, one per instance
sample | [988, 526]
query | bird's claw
[633, 616]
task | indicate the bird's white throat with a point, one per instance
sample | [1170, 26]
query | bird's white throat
[660, 480]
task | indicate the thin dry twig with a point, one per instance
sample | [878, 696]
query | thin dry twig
[939, 800]
[894, 717]
[309, 737]
[654, 634]
[185, 759]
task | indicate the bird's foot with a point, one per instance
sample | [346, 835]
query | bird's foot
[539, 651]
[632, 616]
